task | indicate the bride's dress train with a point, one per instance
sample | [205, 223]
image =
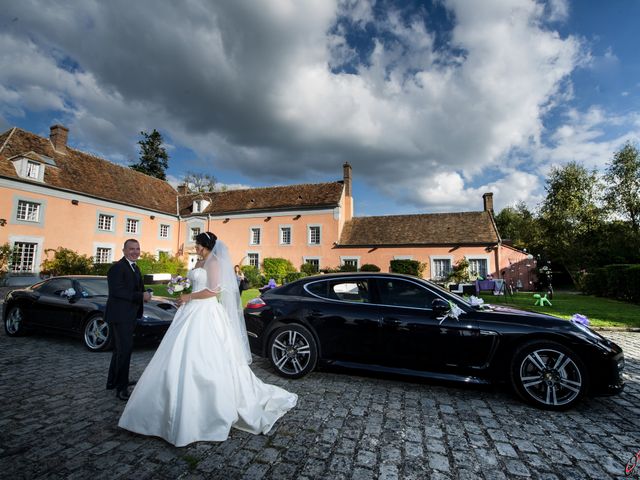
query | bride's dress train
[198, 384]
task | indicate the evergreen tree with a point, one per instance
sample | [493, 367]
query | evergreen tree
[154, 159]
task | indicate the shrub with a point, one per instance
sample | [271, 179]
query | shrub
[293, 276]
[253, 276]
[345, 267]
[308, 269]
[148, 263]
[408, 267]
[6, 254]
[101, 268]
[369, 267]
[614, 281]
[66, 262]
[330, 270]
[460, 272]
[277, 268]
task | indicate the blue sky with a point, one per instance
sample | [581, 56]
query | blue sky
[433, 102]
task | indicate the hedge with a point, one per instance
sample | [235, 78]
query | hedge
[408, 267]
[621, 282]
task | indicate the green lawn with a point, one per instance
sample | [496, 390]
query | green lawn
[601, 312]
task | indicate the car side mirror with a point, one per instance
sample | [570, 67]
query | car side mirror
[440, 307]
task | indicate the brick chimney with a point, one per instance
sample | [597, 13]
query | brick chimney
[488, 202]
[182, 189]
[58, 138]
[346, 168]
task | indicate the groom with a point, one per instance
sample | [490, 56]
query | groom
[124, 306]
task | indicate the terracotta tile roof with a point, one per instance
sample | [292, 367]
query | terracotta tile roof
[303, 196]
[425, 229]
[87, 174]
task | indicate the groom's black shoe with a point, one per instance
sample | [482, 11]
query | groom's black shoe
[123, 394]
[132, 383]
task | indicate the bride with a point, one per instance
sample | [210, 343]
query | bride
[198, 384]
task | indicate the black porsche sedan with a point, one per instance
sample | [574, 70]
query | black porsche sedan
[405, 325]
[75, 305]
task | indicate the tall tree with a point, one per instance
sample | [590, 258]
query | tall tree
[570, 215]
[623, 185]
[519, 225]
[154, 159]
[200, 182]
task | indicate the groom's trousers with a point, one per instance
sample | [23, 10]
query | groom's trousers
[120, 359]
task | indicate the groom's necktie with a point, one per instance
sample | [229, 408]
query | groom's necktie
[136, 270]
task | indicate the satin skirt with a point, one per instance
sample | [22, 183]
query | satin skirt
[198, 385]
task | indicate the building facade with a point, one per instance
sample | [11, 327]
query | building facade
[52, 195]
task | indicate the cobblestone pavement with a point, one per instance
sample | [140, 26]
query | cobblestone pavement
[58, 421]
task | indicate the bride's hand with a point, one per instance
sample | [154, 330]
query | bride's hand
[183, 299]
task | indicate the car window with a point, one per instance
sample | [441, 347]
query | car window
[55, 286]
[404, 293]
[94, 287]
[347, 290]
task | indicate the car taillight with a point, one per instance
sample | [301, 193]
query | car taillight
[256, 303]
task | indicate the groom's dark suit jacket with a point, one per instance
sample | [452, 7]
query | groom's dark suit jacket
[124, 305]
[126, 290]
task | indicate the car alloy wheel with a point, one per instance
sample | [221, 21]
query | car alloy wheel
[97, 334]
[13, 322]
[549, 375]
[292, 351]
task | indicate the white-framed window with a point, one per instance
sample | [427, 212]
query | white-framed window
[33, 170]
[351, 261]
[315, 261]
[105, 222]
[254, 259]
[28, 211]
[103, 255]
[195, 231]
[164, 230]
[478, 266]
[440, 268]
[314, 234]
[200, 205]
[254, 236]
[285, 235]
[24, 257]
[133, 226]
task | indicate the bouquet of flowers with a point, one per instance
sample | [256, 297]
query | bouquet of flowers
[178, 285]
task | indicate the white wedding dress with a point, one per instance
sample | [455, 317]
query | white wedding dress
[198, 384]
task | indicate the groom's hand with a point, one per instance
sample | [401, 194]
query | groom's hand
[146, 296]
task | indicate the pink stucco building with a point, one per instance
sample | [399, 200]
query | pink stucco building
[52, 195]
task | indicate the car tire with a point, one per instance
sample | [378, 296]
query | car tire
[96, 334]
[548, 375]
[13, 322]
[293, 351]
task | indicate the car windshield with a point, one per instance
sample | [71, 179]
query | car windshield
[94, 287]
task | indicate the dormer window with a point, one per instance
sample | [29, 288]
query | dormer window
[199, 205]
[33, 170]
[31, 165]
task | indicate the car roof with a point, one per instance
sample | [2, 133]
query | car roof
[365, 274]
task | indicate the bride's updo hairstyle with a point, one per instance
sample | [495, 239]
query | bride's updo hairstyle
[206, 240]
